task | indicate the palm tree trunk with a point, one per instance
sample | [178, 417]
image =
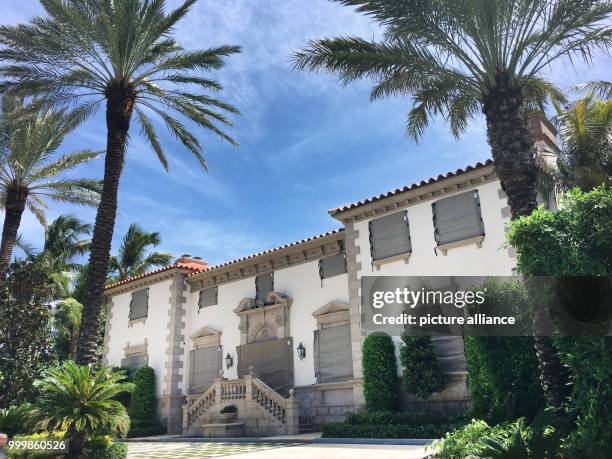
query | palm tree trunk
[119, 107]
[14, 207]
[514, 161]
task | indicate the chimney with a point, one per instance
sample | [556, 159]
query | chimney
[191, 262]
[543, 133]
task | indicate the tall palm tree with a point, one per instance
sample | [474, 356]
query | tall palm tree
[456, 57]
[119, 53]
[585, 159]
[29, 172]
[133, 258]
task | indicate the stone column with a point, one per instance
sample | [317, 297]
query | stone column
[292, 414]
[172, 396]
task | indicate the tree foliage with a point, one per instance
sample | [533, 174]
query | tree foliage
[134, 257]
[380, 382]
[422, 374]
[503, 370]
[449, 54]
[26, 342]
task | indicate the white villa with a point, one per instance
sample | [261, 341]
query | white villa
[277, 333]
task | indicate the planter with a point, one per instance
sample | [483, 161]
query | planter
[227, 417]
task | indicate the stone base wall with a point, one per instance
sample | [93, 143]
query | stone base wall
[170, 410]
[454, 399]
[330, 402]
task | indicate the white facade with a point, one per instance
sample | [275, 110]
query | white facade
[175, 323]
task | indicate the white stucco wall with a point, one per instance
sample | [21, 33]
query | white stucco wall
[491, 259]
[301, 283]
[154, 329]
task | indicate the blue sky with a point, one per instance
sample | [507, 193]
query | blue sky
[307, 143]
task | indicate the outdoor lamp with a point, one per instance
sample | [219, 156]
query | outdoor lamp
[301, 351]
[229, 361]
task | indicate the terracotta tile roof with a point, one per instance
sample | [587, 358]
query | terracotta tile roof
[276, 249]
[193, 267]
[354, 205]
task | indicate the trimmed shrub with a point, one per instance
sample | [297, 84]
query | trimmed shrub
[104, 448]
[503, 371]
[143, 405]
[388, 424]
[422, 373]
[380, 382]
[229, 409]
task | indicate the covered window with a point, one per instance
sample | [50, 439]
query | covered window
[457, 218]
[264, 284]
[390, 236]
[332, 266]
[204, 366]
[139, 304]
[332, 354]
[208, 297]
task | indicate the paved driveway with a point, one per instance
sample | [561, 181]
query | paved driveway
[262, 450]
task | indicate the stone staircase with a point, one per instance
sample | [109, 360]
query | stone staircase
[261, 410]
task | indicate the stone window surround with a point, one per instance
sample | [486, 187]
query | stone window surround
[332, 314]
[140, 349]
[274, 316]
[205, 337]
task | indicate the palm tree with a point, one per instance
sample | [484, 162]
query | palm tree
[29, 174]
[585, 159]
[80, 401]
[133, 258]
[63, 242]
[120, 53]
[456, 57]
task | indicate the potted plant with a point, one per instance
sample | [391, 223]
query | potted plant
[229, 413]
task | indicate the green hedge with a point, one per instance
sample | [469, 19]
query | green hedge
[387, 424]
[380, 381]
[341, 430]
[503, 375]
[143, 405]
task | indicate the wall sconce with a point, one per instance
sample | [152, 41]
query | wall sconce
[301, 351]
[229, 361]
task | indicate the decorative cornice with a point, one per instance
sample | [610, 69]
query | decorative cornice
[283, 257]
[151, 278]
[416, 193]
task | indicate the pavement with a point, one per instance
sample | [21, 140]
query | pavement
[270, 450]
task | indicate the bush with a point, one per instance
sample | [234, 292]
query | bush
[380, 382]
[104, 448]
[229, 409]
[388, 424]
[38, 454]
[143, 405]
[124, 397]
[16, 419]
[576, 241]
[422, 373]
[503, 371]
[508, 440]
[590, 361]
